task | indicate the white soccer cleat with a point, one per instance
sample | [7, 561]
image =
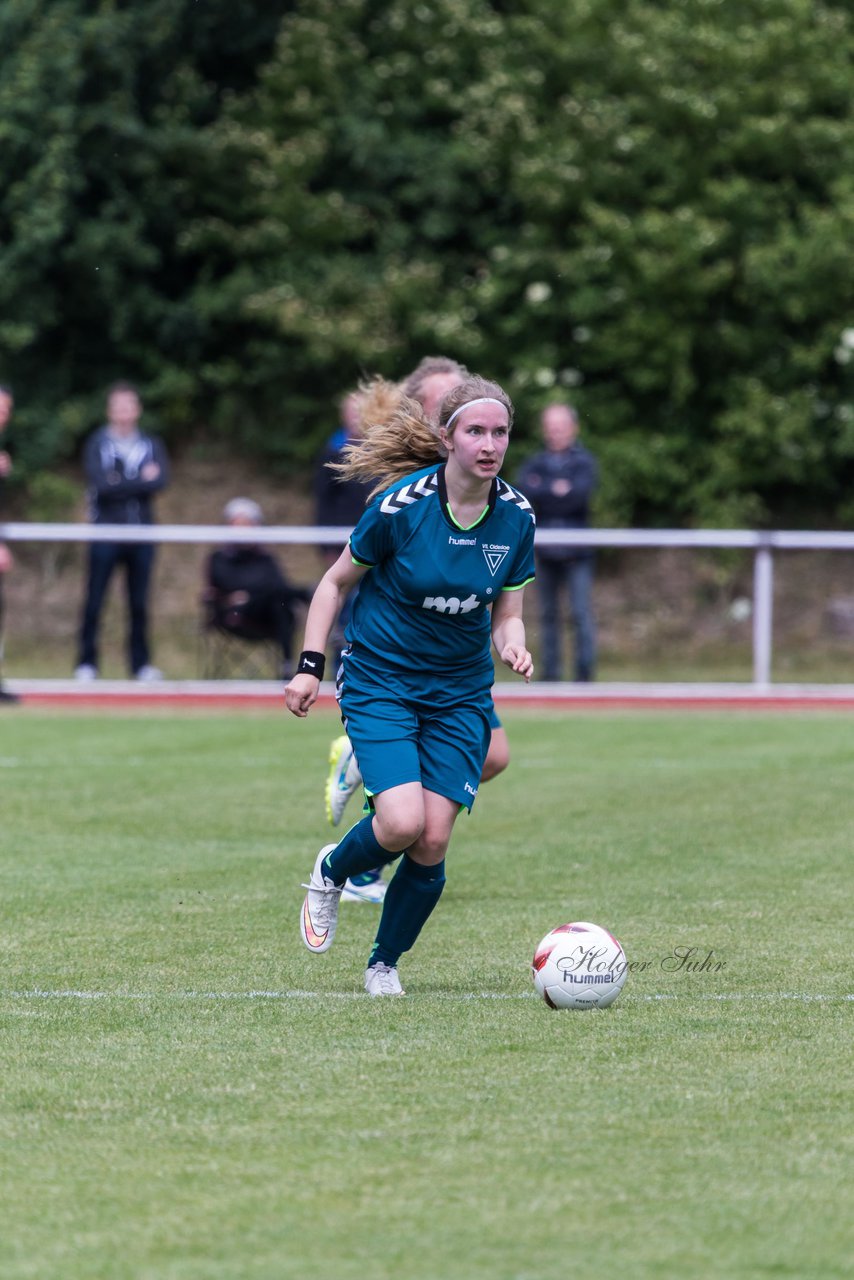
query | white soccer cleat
[382, 980]
[319, 918]
[343, 779]
[369, 887]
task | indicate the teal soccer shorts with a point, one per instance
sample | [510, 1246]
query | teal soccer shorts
[404, 732]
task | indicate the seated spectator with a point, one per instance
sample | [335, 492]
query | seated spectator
[246, 592]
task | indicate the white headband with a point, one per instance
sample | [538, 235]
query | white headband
[469, 403]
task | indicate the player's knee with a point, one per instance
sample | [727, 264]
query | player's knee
[431, 846]
[399, 829]
[498, 756]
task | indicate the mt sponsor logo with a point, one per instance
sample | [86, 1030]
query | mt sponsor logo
[451, 604]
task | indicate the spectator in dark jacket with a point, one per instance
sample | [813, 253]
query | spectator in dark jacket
[246, 591]
[125, 469]
[6, 405]
[559, 482]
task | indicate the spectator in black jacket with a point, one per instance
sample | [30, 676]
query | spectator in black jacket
[125, 469]
[7, 403]
[246, 591]
[559, 482]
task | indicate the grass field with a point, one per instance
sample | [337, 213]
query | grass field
[187, 1094]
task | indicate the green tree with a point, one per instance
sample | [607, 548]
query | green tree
[110, 158]
[643, 207]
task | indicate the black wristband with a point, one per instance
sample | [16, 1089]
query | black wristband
[312, 664]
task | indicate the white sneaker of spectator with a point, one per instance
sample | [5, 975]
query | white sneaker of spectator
[148, 674]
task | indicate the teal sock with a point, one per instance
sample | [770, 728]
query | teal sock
[366, 878]
[412, 894]
[358, 851]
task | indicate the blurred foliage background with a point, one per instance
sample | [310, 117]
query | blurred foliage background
[245, 207]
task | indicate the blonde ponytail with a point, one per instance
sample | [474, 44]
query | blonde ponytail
[396, 438]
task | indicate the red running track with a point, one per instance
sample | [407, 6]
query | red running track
[263, 695]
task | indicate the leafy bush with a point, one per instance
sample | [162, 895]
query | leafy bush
[644, 208]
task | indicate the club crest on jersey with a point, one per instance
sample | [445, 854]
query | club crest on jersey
[495, 557]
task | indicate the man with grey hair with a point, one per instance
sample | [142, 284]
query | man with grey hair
[246, 592]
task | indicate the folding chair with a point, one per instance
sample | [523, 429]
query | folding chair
[226, 654]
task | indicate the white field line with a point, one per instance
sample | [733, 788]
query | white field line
[296, 994]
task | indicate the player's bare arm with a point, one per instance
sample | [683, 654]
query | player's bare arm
[326, 603]
[508, 633]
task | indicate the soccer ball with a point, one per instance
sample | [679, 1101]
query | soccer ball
[579, 966]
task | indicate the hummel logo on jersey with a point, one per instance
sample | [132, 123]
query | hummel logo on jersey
[402, 498]
[450, 604]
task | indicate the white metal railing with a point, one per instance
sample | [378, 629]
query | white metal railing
[762, 544]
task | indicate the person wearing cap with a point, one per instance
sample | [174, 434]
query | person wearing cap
[246, 592]
[442, 555]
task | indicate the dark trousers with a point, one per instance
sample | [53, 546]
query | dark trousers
[2, 636]
[137, 558]
[575, 579]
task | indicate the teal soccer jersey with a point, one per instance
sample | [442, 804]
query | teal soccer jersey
[424, 606]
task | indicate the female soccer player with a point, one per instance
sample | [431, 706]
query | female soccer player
[443, 554]
[428, 384]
